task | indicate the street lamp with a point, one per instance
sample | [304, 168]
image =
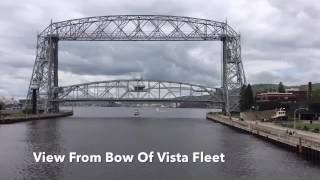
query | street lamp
[294, 117]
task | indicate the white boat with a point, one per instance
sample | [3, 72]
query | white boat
[136, 112]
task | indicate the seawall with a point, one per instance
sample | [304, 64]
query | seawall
[32, 117]
[305, 144]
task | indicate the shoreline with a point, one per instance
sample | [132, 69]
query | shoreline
[32, 117]
[302, 143]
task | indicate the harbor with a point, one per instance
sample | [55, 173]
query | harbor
[96, 130]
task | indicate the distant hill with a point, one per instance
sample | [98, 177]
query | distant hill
[264, 88]
[274, 87]
[315, 86]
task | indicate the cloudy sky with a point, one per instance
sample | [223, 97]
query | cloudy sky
[280, 42]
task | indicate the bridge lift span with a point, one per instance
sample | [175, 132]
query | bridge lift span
[139, 90]
[44, 89]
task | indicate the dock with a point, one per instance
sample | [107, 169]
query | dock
[304, 143]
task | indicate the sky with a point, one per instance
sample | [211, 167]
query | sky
[279, 39]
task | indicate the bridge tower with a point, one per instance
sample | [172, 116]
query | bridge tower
[232, 73]
[53, 82]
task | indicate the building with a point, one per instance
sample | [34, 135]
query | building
[301, 95]
[275, 97]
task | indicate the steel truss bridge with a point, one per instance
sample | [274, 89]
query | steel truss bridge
[44, 89]
[139, 90]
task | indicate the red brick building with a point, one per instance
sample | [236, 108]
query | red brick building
[275, 97]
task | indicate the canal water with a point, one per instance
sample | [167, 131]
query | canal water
[94, 130]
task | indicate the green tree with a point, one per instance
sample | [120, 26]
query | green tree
[281, 88]
[1, 105]
[1, 108]
[246, 98]
[316, 95]
[249, 97]
[242, 100]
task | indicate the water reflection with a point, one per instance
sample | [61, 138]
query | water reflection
[43, 136]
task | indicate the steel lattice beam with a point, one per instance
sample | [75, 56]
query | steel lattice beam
[128, 90]
[134, 28]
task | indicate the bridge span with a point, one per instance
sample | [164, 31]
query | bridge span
[133, 90]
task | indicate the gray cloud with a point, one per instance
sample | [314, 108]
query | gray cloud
[279, 42]
[152, 60]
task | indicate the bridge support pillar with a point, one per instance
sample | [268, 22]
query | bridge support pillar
[226, 106]
[53, 85]
[34, 101]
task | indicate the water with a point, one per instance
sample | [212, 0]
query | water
[97, 130]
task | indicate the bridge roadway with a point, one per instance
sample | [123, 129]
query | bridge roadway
[136, 100]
